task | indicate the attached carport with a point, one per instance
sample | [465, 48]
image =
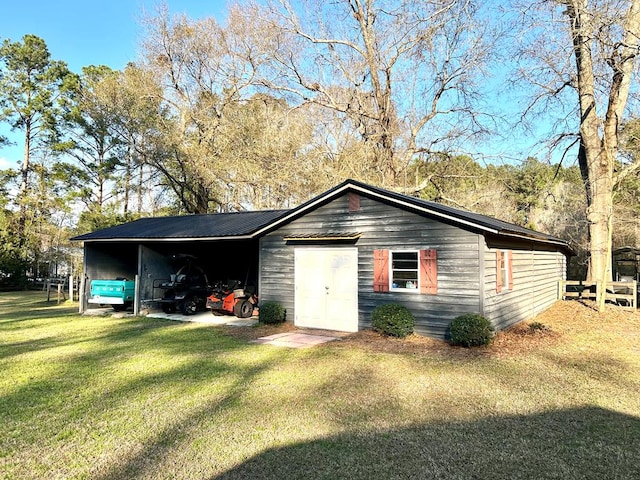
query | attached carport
[223, 244]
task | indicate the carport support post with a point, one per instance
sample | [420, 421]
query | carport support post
[136, 296]
[136, 286]
[82, 301]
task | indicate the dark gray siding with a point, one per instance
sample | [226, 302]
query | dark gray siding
[535, 285]
[154, 267]
[109, 261]
[382, 227]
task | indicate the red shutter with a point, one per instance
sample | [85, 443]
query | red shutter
[428, 272]
[509, 266]
[499, 266]
[354, 202]
[381, 270]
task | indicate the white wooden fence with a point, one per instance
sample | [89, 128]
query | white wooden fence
[619, 293]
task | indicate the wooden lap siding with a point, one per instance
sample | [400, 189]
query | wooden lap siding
[383, 228]
[535, 285]
[276, 283]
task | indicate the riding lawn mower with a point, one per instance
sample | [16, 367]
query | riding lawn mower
[231, 298]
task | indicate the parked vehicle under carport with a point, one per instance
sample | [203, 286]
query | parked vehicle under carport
[186, 290]
[117, 293]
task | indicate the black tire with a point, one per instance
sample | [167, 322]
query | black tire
[121, 308]
[243, 309]
[189, 306]
[169, 307]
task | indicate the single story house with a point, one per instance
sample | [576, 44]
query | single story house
[333, 259]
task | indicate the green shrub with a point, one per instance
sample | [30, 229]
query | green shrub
[393, 320]
[471, 330]
[272, 312]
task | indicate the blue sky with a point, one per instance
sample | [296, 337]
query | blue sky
[107, 32]
[87, 32]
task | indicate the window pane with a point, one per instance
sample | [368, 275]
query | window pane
[405, 280]
[405, 261]
[404, 270]
[404, 276]
[405, 264]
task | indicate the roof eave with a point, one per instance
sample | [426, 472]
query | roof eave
[165, 239]
[549, 241]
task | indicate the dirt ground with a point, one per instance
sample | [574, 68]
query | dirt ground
[558, 325]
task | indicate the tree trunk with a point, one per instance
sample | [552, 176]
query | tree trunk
[127, 183]
[599, 140]
[381, 88]
[24, 183]
[600, 218]
[139, 187]
[101, 182]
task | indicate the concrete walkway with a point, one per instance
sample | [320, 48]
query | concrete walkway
[294, 340]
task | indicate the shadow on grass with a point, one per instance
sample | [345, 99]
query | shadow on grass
[582, 443]
[194, 381]
[122, 335]
[33, 305]
[165, 441]
[98, 366]
[102, 350]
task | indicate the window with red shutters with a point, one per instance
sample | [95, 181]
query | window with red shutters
[405, 271]
[354, 202]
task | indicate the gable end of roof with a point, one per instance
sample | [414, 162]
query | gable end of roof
[461, 218]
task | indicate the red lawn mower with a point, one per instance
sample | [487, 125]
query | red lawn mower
[232, 299]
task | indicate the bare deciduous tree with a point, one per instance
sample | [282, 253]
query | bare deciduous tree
[227, 141]
[405, 74]
[585, 52]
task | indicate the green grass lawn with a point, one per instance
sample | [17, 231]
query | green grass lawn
[117, 398]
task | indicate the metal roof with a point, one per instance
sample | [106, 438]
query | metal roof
[481, 221]
[460, 218]
[323, 236]
[216, 226]
[245, 225]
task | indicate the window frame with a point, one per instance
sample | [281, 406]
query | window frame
[417, 288]
[505, 256]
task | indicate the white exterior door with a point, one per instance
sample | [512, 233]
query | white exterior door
[326, 288]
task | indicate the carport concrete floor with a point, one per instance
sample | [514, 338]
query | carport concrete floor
[207, 317]
[299, 339]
